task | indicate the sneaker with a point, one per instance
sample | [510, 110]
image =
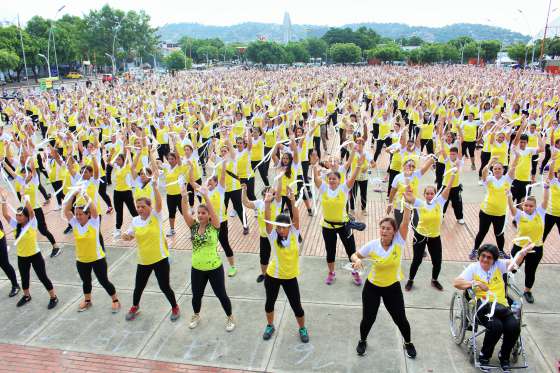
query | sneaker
[232, 271]
[529, 297]
[260, 278]
[170, 233]
[303, 335]
[25, 299]
[330, 278]
[364, 212]
[84, 305]
[437, 285]
[461, 221]
[52, 303]
[175, 314]
[309, 212]
[484, 364]
[408, 286]
[361, 348]
[195, 320]
[117, 233]
[410, 350]
[245, 231]
[268, 331]
[230, 324]
[473, 167]
[356, 278]
[504, 364]
[132, 313]
[473, 254]
[56, 251]
[68, 230]
[503, 255]
[115, 306]
[14, 291]
[109, 210]
[480, 182]
[232, 214]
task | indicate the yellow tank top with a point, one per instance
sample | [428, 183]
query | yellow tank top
[217, 199]
[523, 168]
[243, 159]
[146, 191]
[333, 203]
[469, 131]
[172, 184]
[88, 246]
[152, 246]
[495, 201]
[553, 207]
[530, 226]
[430, 217]
[386, 267]
[122, 178]
[257, 150]
[500, 151]
[284, 261]
[26, 242]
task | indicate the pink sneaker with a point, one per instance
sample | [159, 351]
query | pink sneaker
[356, 278]
[330, 278]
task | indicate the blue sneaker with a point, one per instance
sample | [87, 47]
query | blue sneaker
[303, 335]
[268, 331]
[473, 254]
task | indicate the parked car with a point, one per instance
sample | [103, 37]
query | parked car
[108, 78]
[74, 75]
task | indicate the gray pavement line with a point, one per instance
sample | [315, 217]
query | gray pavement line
[276, 336]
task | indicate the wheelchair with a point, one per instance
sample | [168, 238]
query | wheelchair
[463, 320]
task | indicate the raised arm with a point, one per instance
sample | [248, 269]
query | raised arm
[407, 211]
[245, 199]
[189, 220]
[4, 203]
[157, 196]
[447, 190]
[352, 179]
[427, 165]
[267, 201]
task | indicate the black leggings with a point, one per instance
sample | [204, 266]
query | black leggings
[38, 263]
[121, 198]
[100, 269]
[362, 184]
[291, 289]
[507, 325]
[5, 262]
[235, 196]
[263, 170]
[250, 182]
[546, 158]
[394, 303]
[265, 166]
[102, 191]
[191, 193]
[199, 279]
[532, 261]
[428, 144]
[434, 248]
[468, 147]
[347, 238]
[519, 190]
[549, 222]
[484, 159]
[143, 273]
[224, 239]
[173, 203]
[392, 174]
[57, 184]
[42, 225]
[264, 250]
[484, 221]
[379, 147]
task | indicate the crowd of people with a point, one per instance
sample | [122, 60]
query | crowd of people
[208, 140]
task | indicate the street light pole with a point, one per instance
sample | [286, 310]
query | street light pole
[23, 51]
[48, 64]
[545, 29]
[112, 58]
[51, 32]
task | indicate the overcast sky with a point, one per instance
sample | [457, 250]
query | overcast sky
[503, 13]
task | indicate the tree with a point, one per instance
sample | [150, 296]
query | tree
[517, 52]
[413, 41]
[470, 50]
[489, 49]
[386, 52]
[8, 60]
[414, 56]
[461, 41]
[430, 53]
[450, 53]
[297, 52]
[363, 37]
[206, 53]
[177, 61]
[316, 47]
[345, 52]
[553, 49]
[266, 53]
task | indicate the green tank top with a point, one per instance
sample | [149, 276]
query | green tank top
[205, 248]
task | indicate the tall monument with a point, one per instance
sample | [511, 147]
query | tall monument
[287, 28]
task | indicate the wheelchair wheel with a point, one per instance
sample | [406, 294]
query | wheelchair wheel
[458, 317]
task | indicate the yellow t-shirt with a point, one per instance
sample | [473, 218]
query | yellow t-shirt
[531, 226]
[122, 178]
[386, 266]
[430, 217]
[26, 242]
[284, 260]
[88, 246]
[553, 207]
[333, 203]
[495, 201]
[493, 279]
[524, 164]
[152, 246]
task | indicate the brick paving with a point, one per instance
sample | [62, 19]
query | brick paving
[26, 359]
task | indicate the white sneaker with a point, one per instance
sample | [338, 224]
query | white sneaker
[230, 324]
[480, 182]
[195, 320]
[461, 221]
[117, 233]
[170, 233]
[232, 214]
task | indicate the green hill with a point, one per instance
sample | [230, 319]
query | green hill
[248, 31]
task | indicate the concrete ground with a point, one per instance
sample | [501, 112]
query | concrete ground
[333, 315]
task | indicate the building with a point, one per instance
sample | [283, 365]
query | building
[287, 25]
[167, 47]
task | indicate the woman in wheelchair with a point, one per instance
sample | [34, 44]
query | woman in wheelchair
[485, 278]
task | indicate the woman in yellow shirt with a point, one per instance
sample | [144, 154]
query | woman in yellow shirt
[384, 277]
[89, 253]
[428, 232]
[283, 269]
[494, 205]
[152, 250]
[173, 173]
[122, 192]
[334, 197]
[28, 251]
[5, 260]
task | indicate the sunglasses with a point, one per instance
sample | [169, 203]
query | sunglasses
[486, 256]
